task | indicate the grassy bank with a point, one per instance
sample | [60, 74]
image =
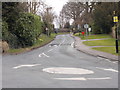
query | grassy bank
[43, 40]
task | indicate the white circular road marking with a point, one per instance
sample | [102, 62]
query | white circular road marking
[66, 70]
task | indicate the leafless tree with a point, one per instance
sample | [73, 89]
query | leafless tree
[80, 12]
[72, 10]
[62, 19]
[32, 6]
[48, 15]
[86, 17]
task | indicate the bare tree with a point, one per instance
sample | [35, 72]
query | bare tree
[86, 16]
[62, 19]
[80, 12]
[34, 5]
[48, 15]
[23, 6]
[72, 10]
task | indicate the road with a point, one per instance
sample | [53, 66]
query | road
[58, 65]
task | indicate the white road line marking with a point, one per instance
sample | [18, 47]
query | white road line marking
[108, 69]
[82, 78]
[55, 45]
[45, 55]
[72, 44]
[50, 50]
[98, 78]
[116, 62]
[40, 55]
[108, 60]
[70, 78]
[100, 58]
[62, 42]
[113, 70]
[27, 65]
[67, 70]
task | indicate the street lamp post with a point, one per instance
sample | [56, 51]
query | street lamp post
[48, 8]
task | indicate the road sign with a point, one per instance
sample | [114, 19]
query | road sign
[73, 28]
[86, 26]
[115, 19]
[78, 26]
[46, 29]
[89, 29]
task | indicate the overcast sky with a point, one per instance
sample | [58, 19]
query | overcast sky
[57, 7]
[56, 4]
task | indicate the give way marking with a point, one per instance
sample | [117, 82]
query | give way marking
[108, 69]
[82, 78]
[27, 65]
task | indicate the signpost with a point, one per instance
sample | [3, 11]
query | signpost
[47, 31]
[78, 26]
[115, 20]
[86, 26]
[89, 29]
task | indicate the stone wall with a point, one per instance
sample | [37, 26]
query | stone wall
[4, 47]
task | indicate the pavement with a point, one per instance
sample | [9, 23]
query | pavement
[58, 65]
[87, 49]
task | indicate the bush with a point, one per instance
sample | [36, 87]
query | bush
[28, 29]
[5, 32]
[10, 38]
[77, 34]
[96, 29]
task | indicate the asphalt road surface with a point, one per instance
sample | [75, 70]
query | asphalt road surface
[58, 65]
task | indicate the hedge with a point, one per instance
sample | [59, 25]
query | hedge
[11, 39]
[28, 28]
[5, 32]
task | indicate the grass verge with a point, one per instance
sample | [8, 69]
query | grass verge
[43, 40]
[107, 42]
[106, 49]
[98, 36]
